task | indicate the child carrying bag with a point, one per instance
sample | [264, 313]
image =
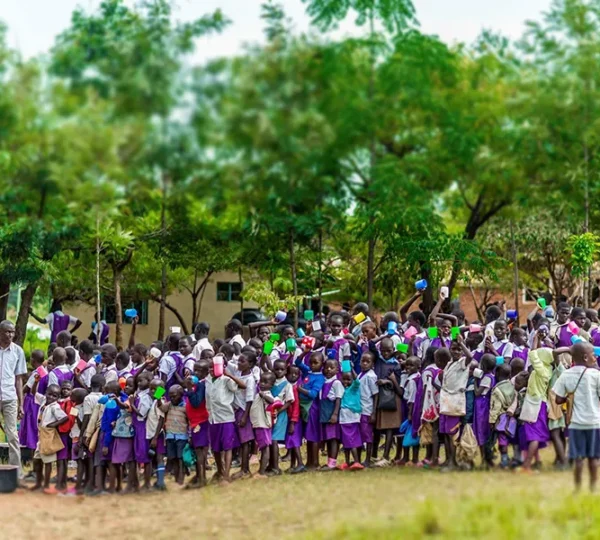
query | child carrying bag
[50, 441]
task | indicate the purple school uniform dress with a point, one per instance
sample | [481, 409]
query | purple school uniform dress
[60, 323]
[520, 354]
[350, 435]
[122, 451]
[329, 431]
[481, 415]
[440, 342]
[223, 437]
[263, 437]
[535, 431]
[245, 434]
[564, 336]
[295, 439]
[28, 432]
[141, 445]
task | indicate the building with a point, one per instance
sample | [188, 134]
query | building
[221, 301]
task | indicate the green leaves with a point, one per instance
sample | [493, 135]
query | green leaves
[583, 248]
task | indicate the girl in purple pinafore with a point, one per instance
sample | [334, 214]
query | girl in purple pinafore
[293, 439]
[518, 338]
[28, 431]
[483, 394]
[329, 411]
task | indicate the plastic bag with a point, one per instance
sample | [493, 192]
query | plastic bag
[467, 446]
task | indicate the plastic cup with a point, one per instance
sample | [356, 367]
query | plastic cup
[499, 360]
[290, 345]
[575, 339]
[309, 315]
[81, 365]
[573, 328]
[421, 285]
[122, 383]
[316, 326]
[512, 313]
[432, 332]
[308, 342]
[268, 347]
[541, 302]
[359, 317]
[392, 328]
[274, 338]
[218, 366]
[402, 348]
[280, 316]
[346, 366]
[331, 354]
[195, 379]
[300, 333]
[155, 353]
[474, 328]
[41, 371]
[410, 332]
[98, 358]
[445, 292]
[159, 392]
[597, 351]
[477, 373]
[131, 313]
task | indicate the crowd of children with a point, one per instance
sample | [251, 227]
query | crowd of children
[411, 383]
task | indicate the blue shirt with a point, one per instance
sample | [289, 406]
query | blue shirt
[311, 382]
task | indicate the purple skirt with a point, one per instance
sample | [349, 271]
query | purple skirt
[245, 434]
[64, 453]
[98, 457]
[122, 451]
[449, 424]
[263, 437]
[295, 439]
[366, 429]
[160, 445]
[141, 445]
[330, 432]
[351, 435]
[312, 427]
[28, 432]
[536, 431]
[75, 452]
[481, 419]
[223, 437]
[200, 435]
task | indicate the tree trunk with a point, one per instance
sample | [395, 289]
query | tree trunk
[370, 271]
[98, 307]
[180, 318]
[294, 275]
[4, 293]
[320, 277]
[516, 268]
[23, 317]
[194, 299]
[241, 296]
[163, 301]
[428, 301]
[117, 275]
[372, 159]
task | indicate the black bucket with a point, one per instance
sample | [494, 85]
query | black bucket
[9, 478]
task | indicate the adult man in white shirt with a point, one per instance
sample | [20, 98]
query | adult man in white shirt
[12, 366]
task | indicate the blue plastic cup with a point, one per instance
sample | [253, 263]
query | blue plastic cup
[421, 285]
[300, 333]
[346, 366]
[512, 313]
[499, 360]
[98, 358]
[331, 354]
[597, 351]
[392, 328]
[131, 313]
[280, 316]
[575, 339]
[195, 379]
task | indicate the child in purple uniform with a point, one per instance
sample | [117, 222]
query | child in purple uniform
[140, 407]
[329, 410]
[483, 394]
[368, 396]
[293, 439]
[350, 411]
[28, 431]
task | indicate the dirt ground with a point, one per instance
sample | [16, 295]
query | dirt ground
[367, 504]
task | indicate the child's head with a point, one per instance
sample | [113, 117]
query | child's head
[386, 348]
[112, 387]
[563, 310]
[36, 358]
[201, 330]
[97, 383]
[86, 349]
[336, 323]
[503, 372]
[592, 315]
[488, 363]
[445, 327]
[129, 386]
[521, 380]
[442, 357]
[369, 330]
[244, 364]
[176, 394]
[108, 354]
[280, 368]
[63, 339]
[518, 337]
[412, 365]
[267, 380]
[417, 319]
[227, 351]
[59, 356]
[143, 380]
[460, 316]
[217, 344]
[319, 337]
[361, 307]
[233, 328]
[578, 316]
[173, 341]
[347, 379]
[71, 357]
[185, 346]
[367, 361]
[429, 357]
[78, 395]
[207, 354]
[330, 368]
[516, 366]
[583, 353]
[456, 350]
[263, 333]
[138, 354]
[500, 329]
[492, 313]
[287, 332]
[52, 393]
[122, 360]
[65, 389]
[390, 316]
[473, 340]
[155, 384]
[293, 374]
[201, 369]
[316, 362]
[255, 343]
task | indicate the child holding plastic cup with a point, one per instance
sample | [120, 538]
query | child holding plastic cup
[329, 410]
[483, 393]
[350, 415]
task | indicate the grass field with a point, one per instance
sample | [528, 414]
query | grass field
[374, 504]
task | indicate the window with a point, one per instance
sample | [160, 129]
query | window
[228, 292]
[109, 313]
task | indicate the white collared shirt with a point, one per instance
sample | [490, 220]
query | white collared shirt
[12, 364]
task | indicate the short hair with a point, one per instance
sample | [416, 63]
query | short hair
[234, 324]
[86, 347]
[203, 327]
[418, 316]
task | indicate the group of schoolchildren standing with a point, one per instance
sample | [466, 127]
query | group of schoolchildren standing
[341, 382]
